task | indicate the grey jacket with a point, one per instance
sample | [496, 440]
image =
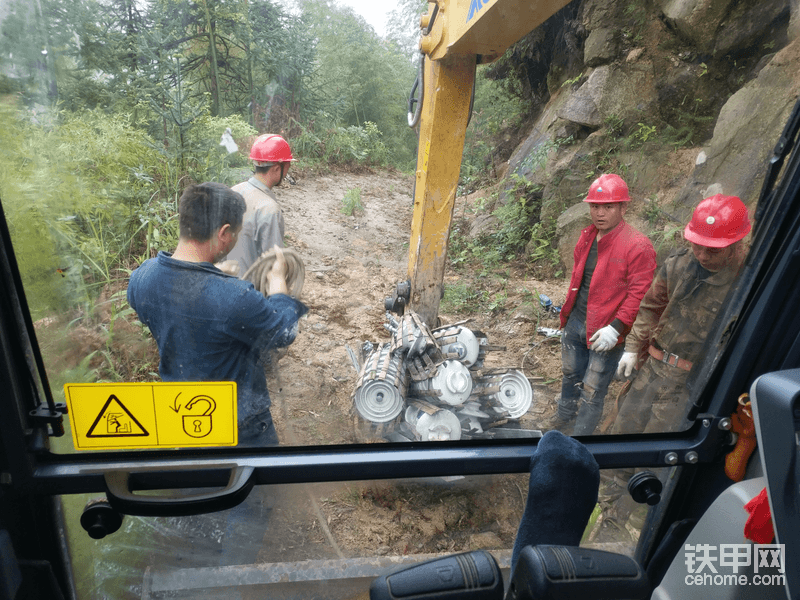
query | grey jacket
[263, 225]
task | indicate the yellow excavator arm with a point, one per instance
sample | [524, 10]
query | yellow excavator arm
[456, 36]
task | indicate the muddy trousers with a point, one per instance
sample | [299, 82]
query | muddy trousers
[657, 401]
[587, 375]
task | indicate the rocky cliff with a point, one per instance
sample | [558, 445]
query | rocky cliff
[676, 96]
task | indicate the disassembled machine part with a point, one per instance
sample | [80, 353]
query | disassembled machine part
[436, 377]
[380, 392]
[460, 343]
[509, 389]
[451, 384]
[431, 423]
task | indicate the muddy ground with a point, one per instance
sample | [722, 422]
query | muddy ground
[353, 263]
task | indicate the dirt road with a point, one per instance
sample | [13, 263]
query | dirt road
[353, 263]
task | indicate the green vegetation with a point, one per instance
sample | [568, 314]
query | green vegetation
[518, 232]
[343, 145]
[495, 112]
[637, 19]
[125, 107]
[351, 203]
[461, 298]
[643, 133]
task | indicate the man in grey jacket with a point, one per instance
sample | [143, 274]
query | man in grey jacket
[263, 225]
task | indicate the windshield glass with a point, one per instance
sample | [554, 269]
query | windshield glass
[212, 204]
[102, 143]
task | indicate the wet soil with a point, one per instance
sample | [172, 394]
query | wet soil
[353, 262]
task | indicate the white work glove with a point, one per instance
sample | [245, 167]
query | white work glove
[626, 365]
[604, 339]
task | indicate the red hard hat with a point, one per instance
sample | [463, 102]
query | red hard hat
[608, 188]
[718, 221]
[269, 149]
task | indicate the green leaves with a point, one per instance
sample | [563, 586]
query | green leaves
[351, 203]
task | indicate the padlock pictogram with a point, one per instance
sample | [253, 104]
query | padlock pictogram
[199, 425]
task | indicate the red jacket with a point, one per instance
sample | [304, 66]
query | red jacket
[626, 262]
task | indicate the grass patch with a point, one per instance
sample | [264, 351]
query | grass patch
[351, 203]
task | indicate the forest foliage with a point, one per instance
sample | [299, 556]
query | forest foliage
[111, 107]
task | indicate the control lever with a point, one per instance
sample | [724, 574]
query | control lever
[469, 576]
[566, 572]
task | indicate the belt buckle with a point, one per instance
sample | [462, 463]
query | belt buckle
[667, 357]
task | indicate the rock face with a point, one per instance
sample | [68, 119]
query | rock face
[718, 77]
[569, 226]
[600, 47]
[717, 27]
[746, 131]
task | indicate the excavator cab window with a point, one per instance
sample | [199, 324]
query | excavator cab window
[114, 483]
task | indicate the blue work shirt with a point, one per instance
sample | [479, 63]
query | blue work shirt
[211, 326]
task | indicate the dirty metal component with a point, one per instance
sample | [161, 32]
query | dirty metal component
[506, 389]
[353, 358]
[473, 409]
[413, 338]
[447, 90]
[464, 34]
[412, 367]
[399, 300]
[381, 387]
[431, 423]
[549, 332]
[516, 393]
[451, 384]
[410, 335]
[460, 343]
[485, 347]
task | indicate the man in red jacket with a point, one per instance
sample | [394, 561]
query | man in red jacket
[614, 266]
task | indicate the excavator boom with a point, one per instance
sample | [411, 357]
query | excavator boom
[457, 35]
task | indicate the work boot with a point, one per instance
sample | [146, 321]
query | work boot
[559, 424]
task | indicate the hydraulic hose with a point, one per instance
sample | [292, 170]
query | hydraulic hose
[295, 272]
[419, 84]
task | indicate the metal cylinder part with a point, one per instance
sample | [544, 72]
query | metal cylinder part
[411, 335]
[431, 423]
[516, 394]
[459, 341]
[379, 396]
[510, 391]
[451, 384]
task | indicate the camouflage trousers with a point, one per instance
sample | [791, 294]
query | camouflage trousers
[657, 401]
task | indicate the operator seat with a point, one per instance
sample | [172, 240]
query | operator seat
[775, 398]
[722, 523]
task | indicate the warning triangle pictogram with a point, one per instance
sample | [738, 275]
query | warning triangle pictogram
[114, 420]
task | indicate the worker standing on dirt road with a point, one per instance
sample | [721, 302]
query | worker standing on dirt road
[676, 316]
[614, 266]
[210, 326]
[263, 225]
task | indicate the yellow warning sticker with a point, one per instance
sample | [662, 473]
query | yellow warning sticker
[116, 416]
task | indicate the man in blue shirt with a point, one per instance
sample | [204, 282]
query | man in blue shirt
[210, 326]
